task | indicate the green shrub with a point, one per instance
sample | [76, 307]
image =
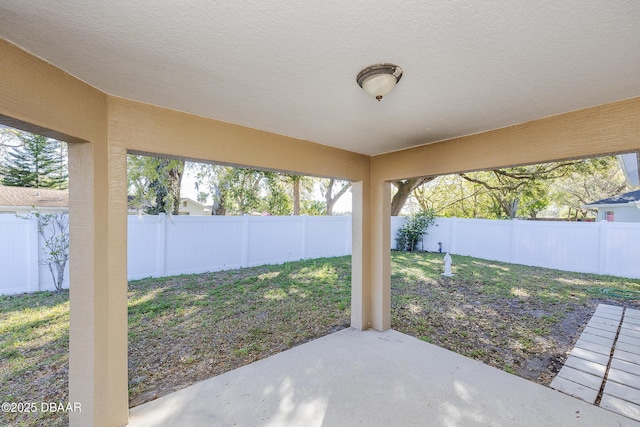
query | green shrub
[413, 230]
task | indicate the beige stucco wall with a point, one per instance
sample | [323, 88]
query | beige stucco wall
[606, 129]
[39, 97]
[149, 129]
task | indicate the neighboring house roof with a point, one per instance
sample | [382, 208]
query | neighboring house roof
[36, 197]
[186, 199]
[630, 164]
[620, 200]
[187, 205]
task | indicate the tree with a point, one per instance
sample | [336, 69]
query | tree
[35, 161]
[275, 198]
[154, 183]
[452, 196]
[294, 181]
[591, 180]
[404, 189]
[510, 188]
[8, 139]
[313, 207]
[239, 191]
[54, 230]
[525, 191]
[330, 198]
[300, 188]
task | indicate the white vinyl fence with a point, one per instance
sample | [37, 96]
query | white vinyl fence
[162, 246]
[21, 248]
[611, 248]
[165, 246]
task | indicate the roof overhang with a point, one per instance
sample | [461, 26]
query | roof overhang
[613, 205]
[630, 164]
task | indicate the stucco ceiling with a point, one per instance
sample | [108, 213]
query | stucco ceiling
[289, 67]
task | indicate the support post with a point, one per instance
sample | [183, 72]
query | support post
[360, 257]
[381, 255]
[98, 285]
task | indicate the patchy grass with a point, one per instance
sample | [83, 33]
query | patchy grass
[187, 328]
[521, 319]
[34, 354]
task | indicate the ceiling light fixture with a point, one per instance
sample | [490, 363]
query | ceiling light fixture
[380, 79]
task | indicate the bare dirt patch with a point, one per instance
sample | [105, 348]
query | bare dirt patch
[524, 320]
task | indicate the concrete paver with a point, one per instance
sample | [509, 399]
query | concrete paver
[622, 377]
[590, 356]
[597, 339]
[621, 407]
[633, 357]
[606, 359]
[596, 348]
[599, 332]
[583, 378]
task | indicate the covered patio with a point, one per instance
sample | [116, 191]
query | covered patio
[484, 86]
[369, 378]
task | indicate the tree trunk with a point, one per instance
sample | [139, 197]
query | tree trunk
[175, 181]
[218, 207]
[331, 200]
[328, 199]
[405, 188]
[296, 195]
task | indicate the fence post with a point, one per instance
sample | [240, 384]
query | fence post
[245, 241]
[161, 245]
[34, 255]
[305, 238]
[602, 264]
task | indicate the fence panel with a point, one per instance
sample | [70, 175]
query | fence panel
[197, 244]
[327, 236]
[622, 249]
[563, 246]
[273, 240]
[482, 238]
[143, 246]
[18, 255]
[440, 232]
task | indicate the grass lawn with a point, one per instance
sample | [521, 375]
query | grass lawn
[524, 320]
[188, 328]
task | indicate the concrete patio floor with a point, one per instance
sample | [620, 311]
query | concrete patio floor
[372, 379]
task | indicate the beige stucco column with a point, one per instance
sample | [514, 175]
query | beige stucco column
[98, 285]
[380, 255]
[371, 272]
[360, 256]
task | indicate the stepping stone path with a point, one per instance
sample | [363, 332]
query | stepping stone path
[604, 366]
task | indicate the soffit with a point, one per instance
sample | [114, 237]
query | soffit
[290, 67]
